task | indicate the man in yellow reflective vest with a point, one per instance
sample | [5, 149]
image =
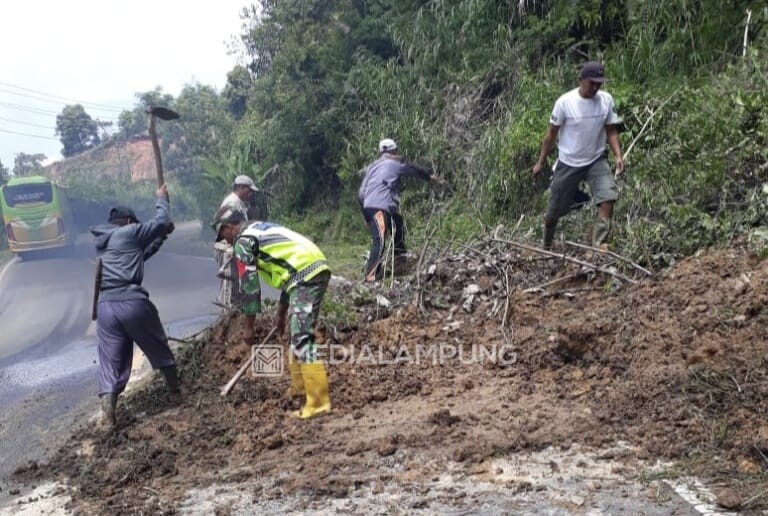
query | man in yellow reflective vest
[294, 265]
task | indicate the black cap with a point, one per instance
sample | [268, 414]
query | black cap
[226, 215]
[593, 71]
[122, 212]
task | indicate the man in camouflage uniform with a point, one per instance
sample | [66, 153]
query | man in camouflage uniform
[294, 265]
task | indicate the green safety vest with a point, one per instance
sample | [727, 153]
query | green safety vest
[283, 257]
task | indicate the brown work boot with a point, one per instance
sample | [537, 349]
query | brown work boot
[108, 418]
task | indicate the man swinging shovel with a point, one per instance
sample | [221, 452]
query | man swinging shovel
[154, 112]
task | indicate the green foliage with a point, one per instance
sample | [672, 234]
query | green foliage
[3, 174]
[28, 164]
[239, 84]
[679, 37]
[78, 131]
[133, 123]
[91, 199]
[466, 88]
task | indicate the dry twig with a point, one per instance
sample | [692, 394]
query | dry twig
[610, 253]
[565, 257]
[553, 282]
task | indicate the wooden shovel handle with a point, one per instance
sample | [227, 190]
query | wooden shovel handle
[243, 368]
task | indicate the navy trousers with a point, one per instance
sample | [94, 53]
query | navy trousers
[120, 324]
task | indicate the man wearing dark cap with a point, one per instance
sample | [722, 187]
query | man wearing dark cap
[125, 313]
[581, 122]
[294, 265]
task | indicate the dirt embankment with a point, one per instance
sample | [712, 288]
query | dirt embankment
[459, 365]
[134, 158]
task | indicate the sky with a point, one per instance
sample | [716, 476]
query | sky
[100, 53]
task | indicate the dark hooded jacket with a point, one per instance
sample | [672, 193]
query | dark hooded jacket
[123, 250]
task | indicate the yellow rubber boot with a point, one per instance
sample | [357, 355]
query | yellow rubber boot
[297, 382]
[316, 386]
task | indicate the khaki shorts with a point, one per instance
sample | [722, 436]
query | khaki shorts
[566, 181]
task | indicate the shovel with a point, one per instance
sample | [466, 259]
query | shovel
[163, 114]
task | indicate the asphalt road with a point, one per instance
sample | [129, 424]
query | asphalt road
[48, 372]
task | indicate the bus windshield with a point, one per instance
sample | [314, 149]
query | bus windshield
[36, 193]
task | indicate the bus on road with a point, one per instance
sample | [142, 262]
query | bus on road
[36, 215]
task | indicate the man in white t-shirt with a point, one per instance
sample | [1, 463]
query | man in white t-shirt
[243, 189]
[582, 120]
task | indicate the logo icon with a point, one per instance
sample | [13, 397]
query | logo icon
[267, 360]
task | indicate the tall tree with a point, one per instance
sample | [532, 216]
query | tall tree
[28, 164]
[3, 174]
[239, 84]
[78, 131]
[203, 133]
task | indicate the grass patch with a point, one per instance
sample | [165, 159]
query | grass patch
[346, 259]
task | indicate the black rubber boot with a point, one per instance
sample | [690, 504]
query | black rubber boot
[108, 421]
[601, 233]
[549, 234]
[171, 376]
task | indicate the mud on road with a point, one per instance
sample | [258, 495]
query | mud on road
[608, 394]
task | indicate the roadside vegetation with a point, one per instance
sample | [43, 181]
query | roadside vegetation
[466, 89]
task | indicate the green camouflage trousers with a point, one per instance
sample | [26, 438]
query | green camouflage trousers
[304, 302]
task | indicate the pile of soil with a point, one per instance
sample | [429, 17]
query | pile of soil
[477, 354]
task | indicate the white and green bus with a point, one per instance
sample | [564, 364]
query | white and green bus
[36, 215]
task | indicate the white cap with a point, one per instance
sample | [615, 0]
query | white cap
[387, 145]
[245, 181]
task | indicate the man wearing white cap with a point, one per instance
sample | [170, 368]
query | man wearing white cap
[379, 197]
[243, 189]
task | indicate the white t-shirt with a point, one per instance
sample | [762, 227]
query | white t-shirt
[235, 203]
[582, 122]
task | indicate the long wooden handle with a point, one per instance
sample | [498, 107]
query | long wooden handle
[243, 368]
[156, 149]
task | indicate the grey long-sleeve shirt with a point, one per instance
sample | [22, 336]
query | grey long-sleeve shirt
[123, 251]
[381, 185]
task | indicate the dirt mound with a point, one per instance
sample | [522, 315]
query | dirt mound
[134, 158]
[477, 355]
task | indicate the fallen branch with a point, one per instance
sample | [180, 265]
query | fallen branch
[746, 33]
[754, 498]
[183, 341]
[570, 291]
[610, 253]
[648, 121]
[565, 257]
[550, 283]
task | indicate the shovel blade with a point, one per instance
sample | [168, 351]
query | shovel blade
[163, 113]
